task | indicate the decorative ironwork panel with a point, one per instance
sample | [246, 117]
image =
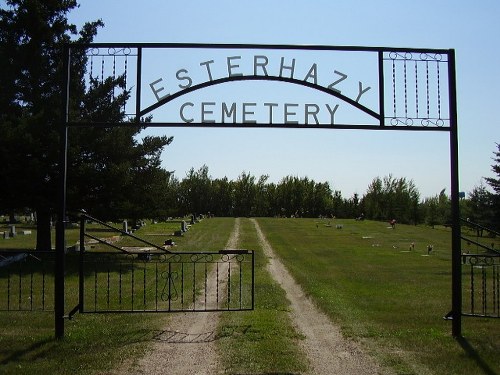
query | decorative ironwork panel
[228, 85]
[481, 285]
[26, 281]
[154, 282]
[416, 89]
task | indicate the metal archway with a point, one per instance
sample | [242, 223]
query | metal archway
[415, 90]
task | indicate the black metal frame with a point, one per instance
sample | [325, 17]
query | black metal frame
[404, 55]
[162, 277]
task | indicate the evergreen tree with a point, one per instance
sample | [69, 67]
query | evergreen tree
[109, 168]
[495, 185]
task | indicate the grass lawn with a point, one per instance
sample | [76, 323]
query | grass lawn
[93, 343]
[365, 278]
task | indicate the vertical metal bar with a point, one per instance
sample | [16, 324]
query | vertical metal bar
[455, 202]
[19, 302]
[61, 214]
[156, 286]
[194, 286]
[43, 287]
[497, 280]
[144, 284]
[381, 89]
[120, 286]
[138, 86]
[95, 287]
[253, 280]
[182, 285]
[217, 283]
[81, 277]
[132, 282]
[229, 285]
[169, 286]
[241, 282]
[472, 288]
[484, 276]
[8, 290]
[31, 289]
[107, 288]
[206, 284]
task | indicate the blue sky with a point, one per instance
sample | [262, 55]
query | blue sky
[347, 159]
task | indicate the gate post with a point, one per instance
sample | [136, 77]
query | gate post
[61, 205]
[456, 261]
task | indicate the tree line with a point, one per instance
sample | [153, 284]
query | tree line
[114, 174]
[385, 199]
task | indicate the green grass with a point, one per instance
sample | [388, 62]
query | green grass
[261, 341]
[364, 277]
[93, 343]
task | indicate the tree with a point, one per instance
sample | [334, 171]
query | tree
[31, 35]
[495, 185]
[109, 169]
[392, 198]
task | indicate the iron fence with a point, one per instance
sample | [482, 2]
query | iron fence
[27, 280]
[155, 282]
[481, 285]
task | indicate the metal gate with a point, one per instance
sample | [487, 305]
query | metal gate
[481, 274]
[26, 280]
[151, 278]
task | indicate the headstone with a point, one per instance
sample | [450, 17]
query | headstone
[12, 232]
[125, 226]
[183, 226]
[192, 219]
[6, 235]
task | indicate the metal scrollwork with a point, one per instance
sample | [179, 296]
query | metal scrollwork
[396, 121]
[170, 258]
[431, 56]
[436, 122]
[195, 258]
[229, 257]
[169, 292]
[480, 260]
[400, 56]
[119, 52]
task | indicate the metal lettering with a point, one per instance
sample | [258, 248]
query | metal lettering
[157, 90]
[263, 64]
[270, 105]
[342, 77]
[289, 113]
[332, 113]
[283, 67]
[231, 66]
[226, 113]
[207, 64]
[184, 78]
[361, 91]
[312, 73]
[245, 113]
[205, 111]
[181, 112]
[308, 112]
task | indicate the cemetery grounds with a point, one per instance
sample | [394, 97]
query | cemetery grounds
[386, 298]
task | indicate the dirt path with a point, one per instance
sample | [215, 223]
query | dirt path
[327, 350]
[186, 345]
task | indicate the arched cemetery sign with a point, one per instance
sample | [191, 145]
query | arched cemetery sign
[281, 86]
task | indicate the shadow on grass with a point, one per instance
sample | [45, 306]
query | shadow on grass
[33, 351]
[472, 353]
